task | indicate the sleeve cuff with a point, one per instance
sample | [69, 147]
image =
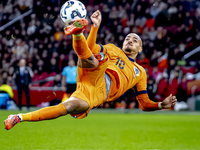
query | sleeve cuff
[95, 28]
[159, 105]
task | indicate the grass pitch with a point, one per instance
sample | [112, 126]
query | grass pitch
[106, 130]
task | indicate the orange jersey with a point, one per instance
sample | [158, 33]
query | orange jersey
[115, 74]
[124, 72]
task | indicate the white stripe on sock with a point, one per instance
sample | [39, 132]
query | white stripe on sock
[20, 117]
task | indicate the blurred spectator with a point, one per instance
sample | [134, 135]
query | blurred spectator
[45, 57]
[163, 60]
[122, 12]
[113, 15]
[151, 88]
[57, 81]
[155, 9]
[5, 87]
[40, 67]
[161, 81]
[31, 29]
[111, 4]
[25, 5]
[143, 61]
[46, 28]
[1, 11]
[8, 7]
[154, 58]
[63, 61]
[182, 89]
[152, 33]
[156, 73]
[10, 75]
[15, 14]
[172, 64]
[53, 66]
[6, 92]
[23, 76]
[172, 87]
[69, 78]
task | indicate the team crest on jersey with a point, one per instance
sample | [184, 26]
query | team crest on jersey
[137, 72]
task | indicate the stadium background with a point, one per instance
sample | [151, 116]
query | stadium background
[169, 30]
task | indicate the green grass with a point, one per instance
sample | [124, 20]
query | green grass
[99, 130]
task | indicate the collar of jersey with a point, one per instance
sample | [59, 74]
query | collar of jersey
[131, 59]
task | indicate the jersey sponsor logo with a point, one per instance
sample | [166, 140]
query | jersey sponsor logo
[137, 72]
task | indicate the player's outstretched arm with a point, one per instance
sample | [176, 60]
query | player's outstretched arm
[91, 40]
[145, 103]
[148, 105]
[169, 102]
[96, 18]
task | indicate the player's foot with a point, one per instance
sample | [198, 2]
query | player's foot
[11, 121]
[76, 27]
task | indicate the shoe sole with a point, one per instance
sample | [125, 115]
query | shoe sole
[78, 24]
[12, 124]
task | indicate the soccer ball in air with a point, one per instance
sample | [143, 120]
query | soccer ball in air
[72, 10]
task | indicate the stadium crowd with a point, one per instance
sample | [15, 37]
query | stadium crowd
[169, 29]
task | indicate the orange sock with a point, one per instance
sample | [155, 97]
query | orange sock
[45, 113]
[81, 47]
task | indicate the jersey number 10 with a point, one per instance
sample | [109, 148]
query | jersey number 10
[120, 63]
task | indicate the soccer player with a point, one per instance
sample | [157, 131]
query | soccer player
[104, 74]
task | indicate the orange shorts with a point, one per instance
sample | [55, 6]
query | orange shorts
[91, 86]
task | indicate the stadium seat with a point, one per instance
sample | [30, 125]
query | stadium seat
[48, 84]
[36, 85]
[43, 76]
[187, 69]
[161, 87]
[35, 76]
[172, 87]
[149, 71]
[52, 74]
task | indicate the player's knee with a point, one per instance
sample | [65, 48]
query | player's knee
[90, 62]
[76, 106]
[71, 106]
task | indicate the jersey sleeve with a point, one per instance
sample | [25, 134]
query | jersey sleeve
[91, 40]
[142, 96]
[64, 71]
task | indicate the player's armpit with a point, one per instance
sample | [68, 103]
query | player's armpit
[145, 103]
[91, 40]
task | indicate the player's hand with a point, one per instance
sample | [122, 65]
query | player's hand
[169, 102]
[63, 88]
[96, 18]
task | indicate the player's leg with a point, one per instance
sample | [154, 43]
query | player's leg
[75, 105]
[80, 45]
[72, 106]
[27, 94]
[86, 58]
[19, 94]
